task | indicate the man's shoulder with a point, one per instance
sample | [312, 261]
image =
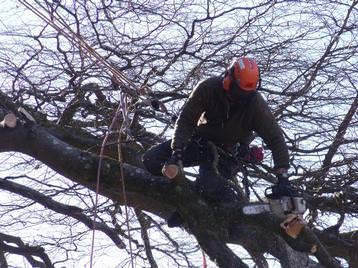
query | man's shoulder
[258, 99]
[259, 105]
[211, 85]
[214, 81]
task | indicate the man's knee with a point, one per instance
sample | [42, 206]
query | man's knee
[151, 163]
[209, 181]
[155, 157]
[213, 186]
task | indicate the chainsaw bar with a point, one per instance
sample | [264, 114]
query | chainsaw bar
[256, 209]
[280, 207]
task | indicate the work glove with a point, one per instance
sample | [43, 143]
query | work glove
[283, 186]
[253, 154]
[174, 165]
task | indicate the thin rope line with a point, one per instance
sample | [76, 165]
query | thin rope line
[120, 159]
[72, 37]
[104, 142]
[78, 41]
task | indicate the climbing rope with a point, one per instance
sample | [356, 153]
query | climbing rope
[77, 40]
[128, 87]
[124, 125]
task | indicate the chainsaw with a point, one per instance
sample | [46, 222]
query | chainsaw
[280, 207]
[290, 208]
[277, 204]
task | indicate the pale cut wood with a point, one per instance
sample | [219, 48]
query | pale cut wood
[9, 121]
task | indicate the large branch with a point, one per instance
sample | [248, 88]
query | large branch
[37, 142]
[144, 191]
[210, 224]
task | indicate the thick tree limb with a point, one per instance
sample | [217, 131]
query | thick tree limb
[37, 142]
[209, 224]
[65, 159]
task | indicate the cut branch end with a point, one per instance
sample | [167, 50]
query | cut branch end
[9, 121]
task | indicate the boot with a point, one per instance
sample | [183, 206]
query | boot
[224, 194]
[228, 195]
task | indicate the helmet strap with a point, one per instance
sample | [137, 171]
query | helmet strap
[259, 82]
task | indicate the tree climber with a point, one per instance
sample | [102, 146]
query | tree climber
[224, 111]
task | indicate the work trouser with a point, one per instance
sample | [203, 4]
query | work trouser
[212, 179]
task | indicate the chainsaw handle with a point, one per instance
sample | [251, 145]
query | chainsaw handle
[272, 193]
[267, 195]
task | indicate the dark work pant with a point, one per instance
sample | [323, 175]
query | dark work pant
[211, 181]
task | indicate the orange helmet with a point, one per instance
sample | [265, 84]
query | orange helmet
[245, 72]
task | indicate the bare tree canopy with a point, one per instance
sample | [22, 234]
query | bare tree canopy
[64, 114]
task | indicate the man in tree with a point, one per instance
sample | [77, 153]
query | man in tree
[224, 111]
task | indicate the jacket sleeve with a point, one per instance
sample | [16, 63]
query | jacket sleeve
[189, 117]
[266, 126]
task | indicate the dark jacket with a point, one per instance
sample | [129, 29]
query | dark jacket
[209, 114]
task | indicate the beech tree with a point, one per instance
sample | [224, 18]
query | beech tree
[72, 133]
